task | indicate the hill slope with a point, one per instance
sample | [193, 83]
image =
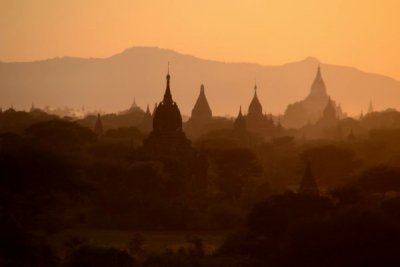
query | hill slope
[111, 83]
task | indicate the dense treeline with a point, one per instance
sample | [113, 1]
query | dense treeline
[56, 174]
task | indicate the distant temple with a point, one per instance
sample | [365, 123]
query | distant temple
[168, 141]
[201, 111]
[201, 116]
[312, 107]
[257, 122]
[146, 124]
[134, 106]
[308, 185]
[329, 116]
[239, 126]
[328, 126]
[167, 136]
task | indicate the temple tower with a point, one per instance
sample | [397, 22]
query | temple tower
[201, 111]
[256, 121]
[201, 116]
[239, 126]
[167, 136]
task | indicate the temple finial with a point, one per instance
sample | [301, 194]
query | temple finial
[167, 94]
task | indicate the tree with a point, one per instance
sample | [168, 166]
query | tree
[332, 166]
[234, 168]
[379, 179]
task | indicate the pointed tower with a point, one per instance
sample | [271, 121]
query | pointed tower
[167, 117]
[168, 144]
[256, 121]
[201, 111]
[308, 185]
[255, 108]
[311, 108]
[98, 128]
[146, 123]
[167, 136]
[318, 88]
[239, 126]
[329, 111]
[200, 121]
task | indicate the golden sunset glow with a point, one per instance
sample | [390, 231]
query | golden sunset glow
[363, 34]
[208, 133]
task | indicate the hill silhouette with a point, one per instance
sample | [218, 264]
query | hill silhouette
[111, 83]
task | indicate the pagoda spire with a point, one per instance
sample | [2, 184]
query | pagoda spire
[318, 86]
[201, 109]
[239, 124]
[255, 107]
[167, 95]
[329, 111]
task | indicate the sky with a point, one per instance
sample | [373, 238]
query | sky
[359, 33]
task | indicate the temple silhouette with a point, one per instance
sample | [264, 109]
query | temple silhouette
[201, 118]
[147, 121]
[239, 126]
[311, 109]
[255, 124]
[167, 136]
[168, 143]
[317, 116]
[328, 126]
[256, 121]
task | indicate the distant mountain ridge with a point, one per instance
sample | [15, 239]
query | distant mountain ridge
[111, 83]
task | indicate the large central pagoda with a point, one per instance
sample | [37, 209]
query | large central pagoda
[167, 136]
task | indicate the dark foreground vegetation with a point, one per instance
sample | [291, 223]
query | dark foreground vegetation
[57, 175]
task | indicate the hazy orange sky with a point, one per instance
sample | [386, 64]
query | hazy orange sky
[360, 33]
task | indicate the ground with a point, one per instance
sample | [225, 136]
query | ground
[152, 241]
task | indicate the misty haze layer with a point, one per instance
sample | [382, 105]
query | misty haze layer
[110, 84]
